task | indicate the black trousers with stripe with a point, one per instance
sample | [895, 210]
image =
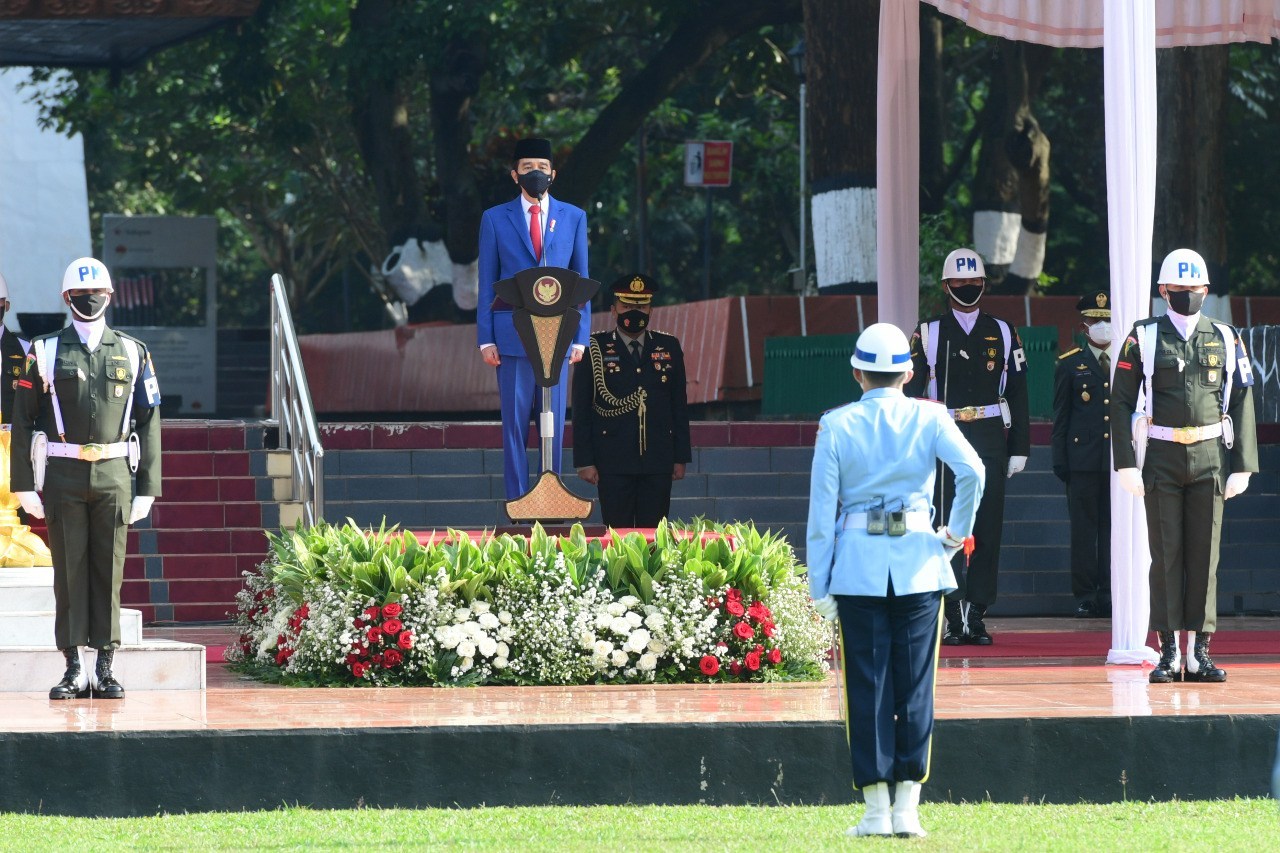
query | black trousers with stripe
[890, 659]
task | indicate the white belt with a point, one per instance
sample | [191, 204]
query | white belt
[89, 452]
[975, 413]
[1186, 435]
[917, 519]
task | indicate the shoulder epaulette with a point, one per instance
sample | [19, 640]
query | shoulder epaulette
[1069, 353]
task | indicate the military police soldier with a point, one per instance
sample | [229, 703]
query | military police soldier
[876, 561]
[13, 355]
[630, 418]
[1199, 437]
[973, 364]
[86, 414]
[1082, 453]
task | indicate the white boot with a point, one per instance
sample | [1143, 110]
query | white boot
[876, 819]
[906, 810]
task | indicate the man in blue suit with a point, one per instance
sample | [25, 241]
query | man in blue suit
[531, 230]
[877, 564]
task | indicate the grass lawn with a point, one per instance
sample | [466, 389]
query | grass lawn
[1245, 825]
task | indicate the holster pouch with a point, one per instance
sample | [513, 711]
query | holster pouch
[1228, 432]
[39, 458]
[875, 521]
[898, 522]
[1139, 426]
[1004, 413]
[135, 452]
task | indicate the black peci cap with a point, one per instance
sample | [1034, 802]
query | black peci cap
[532, 149]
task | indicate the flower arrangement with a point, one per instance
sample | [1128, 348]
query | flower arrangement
[338, 605]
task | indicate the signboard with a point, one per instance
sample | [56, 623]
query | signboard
[163, 269]
[708, 164]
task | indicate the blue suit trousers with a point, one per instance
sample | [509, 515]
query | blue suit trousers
[516, 384]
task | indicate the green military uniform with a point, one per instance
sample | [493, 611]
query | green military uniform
[1185, 482]
[13, 355]
[87, 503]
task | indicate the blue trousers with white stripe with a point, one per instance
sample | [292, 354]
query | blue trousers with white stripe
[890, 659]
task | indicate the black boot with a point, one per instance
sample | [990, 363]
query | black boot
[105, 685]
[953, 633]
[74, 683]
[1199, 665]
[977, 628]
[1167, 669]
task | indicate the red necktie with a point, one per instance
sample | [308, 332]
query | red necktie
[535, 230]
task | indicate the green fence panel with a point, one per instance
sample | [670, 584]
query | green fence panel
[806, 376]
[1041, 346]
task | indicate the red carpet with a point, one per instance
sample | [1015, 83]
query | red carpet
[1073, 644]
[214, 654]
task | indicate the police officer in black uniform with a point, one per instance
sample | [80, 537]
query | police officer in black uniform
[13, 355]
[1082, 453]
[630, 416]
[973, 363]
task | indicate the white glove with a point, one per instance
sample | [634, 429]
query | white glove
[1236, 485]
[1016, 464]
[1131, 481]
[827, 608]
[141, 506]
[950, 542]
[31, 504]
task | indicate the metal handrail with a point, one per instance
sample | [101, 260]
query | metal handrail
[292, 410]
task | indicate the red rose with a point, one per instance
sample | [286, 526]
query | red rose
[391, 610]
[735, 668]
[358, 622]
[769, 629]
[281, 640]
[775, 656]
[392, 626]
[732, 594]
[282, 656]
[392, 657]
[376, 658]
[352, 658]
[304, 611]
[758, 611]
[759, 649]
[372, 612]
[406, 640]
[709, 665]
[753, 661]
[359, 668]
[743, 630]
[734, 607]
[374, 634]
[722, 645]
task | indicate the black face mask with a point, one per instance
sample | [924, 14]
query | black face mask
[1185, 302]
[89, 306]
[535, 182]
[633, 322]
[966, 294]
[1, 313]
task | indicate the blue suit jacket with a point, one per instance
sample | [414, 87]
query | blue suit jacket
[505, 249]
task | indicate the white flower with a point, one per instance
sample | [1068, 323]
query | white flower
[638, 641]
[620, 626]
[479, 607]
[504, 617]
[634, 619]
[465, 664]
[462, 614]
[472, 629]
[657, 648]
[466, 649]
[616, 608]
[505, 634]
[655, 621]
[628, 601]
[487, 646]
[504, 651]
[648, 663]
[618, 658]
[603, 648]
[500, 663]
[587, 640]
[488, 620]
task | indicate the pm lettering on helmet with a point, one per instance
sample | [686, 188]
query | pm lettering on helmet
[963, 264]
[1188, 270]
[87, 272]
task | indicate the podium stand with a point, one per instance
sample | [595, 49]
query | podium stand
[543, 302]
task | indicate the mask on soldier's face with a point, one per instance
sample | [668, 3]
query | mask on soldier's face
[1100, 334]
[90, 306]
[1185, 302]
[966, 294]
[633, 322]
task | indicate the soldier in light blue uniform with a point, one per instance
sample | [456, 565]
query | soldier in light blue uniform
[876, 562]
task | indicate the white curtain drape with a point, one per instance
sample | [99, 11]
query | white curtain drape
[1129, 104]
[898, 164]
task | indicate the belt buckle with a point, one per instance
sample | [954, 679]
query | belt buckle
[966, 414]
[1186, 435]
[92, 452]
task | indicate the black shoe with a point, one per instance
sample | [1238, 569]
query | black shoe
[1086, 610]
[105, 685]
[1167, 669]
[978, 635]
[74, 683]
[953, 636]
[1204, 671]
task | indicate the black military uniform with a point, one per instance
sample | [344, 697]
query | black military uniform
[1185, 476]
[13, 356]
[1082, 460]
[630, 417]
[968, 374]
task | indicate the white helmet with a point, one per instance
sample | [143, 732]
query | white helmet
[882, 348]
[963, 263]
[87, 274]
[1183, 266]
[4, 288]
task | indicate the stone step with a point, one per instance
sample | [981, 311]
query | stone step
[28, 626]
[149, 665]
